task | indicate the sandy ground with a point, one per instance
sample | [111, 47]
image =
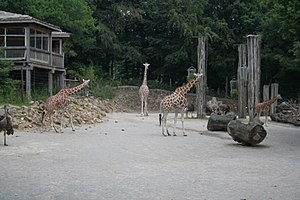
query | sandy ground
[126, 157]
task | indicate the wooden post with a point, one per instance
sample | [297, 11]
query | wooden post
[253, 50]
[28, 81]
[22, 82]
[62, 80]
[201, 85]
[274, 92]
[50, 82]
[242, 81]
[266, 92]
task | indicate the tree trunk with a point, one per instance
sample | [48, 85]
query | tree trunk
[280, 117]
[248, 134]
[219, 122]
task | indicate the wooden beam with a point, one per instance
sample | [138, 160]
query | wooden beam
[202, 84]
[253, 51]
[242, 81]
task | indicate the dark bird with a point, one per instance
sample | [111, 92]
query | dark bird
[6, 124]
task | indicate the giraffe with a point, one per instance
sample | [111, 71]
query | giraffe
[59, 101]
[177, 102]
[144, 93]
[265, 107]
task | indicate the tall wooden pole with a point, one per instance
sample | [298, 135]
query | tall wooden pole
[242, 81]
[28, 81]
[253, 50]
[202, 84]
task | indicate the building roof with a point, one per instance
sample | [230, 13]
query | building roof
[60, 34]
[8, 18]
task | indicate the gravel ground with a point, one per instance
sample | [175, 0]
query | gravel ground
[126, 157]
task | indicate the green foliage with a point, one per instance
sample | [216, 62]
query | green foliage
[9, 88]
[103, 90]
[153, 84]
[280, 31]
[111, 39]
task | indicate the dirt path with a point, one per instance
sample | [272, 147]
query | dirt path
[126, 157]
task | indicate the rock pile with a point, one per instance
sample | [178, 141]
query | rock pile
[287, 112]
[83, 111]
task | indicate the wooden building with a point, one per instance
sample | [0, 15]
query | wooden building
[35, 48]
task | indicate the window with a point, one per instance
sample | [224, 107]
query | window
[1, 41]
[1, 37]
[39, 40]
[55, 46]
[12, 37]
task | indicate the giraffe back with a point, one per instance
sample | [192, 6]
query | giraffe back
[174, 101]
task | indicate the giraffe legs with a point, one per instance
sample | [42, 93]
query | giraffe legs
[50, 115]
[266, 119]
[142, 107]
[52, 124]
[71, 120]
[146, 107]
[5, 139]
[266, 115]
[182, 122]
[175, 122]
[62, 120]
[164, 125]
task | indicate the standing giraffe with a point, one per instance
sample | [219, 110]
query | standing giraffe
[144, 92]
[178, 102]
[265, 107]
[60, 102]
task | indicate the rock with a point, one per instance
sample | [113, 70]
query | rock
[83, 110]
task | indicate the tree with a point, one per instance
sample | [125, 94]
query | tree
[281, 53]
[8, 86]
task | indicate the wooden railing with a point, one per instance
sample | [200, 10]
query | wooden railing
[39, 56]
[36, 55]
[57, 60]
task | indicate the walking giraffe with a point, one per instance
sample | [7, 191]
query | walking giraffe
[177, 102]
[144, 93]
[265, 107]
[59, 101]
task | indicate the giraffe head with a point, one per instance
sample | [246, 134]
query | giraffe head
[146, 65]
[279, 96]
[85, 83]
[198, 75]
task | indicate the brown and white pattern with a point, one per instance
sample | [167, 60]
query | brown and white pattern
[177, 102]
[144, 93]
[59, 101]
[265, 108]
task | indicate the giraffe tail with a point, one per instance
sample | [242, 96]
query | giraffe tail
[43, 117]
[160, 119]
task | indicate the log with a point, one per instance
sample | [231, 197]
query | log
[285, 118]
[247, 134]
[287, 112]
[219, 122]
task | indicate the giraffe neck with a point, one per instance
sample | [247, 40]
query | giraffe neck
[145, 77]
[73, 90]
[271, 101]
[185, 88]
